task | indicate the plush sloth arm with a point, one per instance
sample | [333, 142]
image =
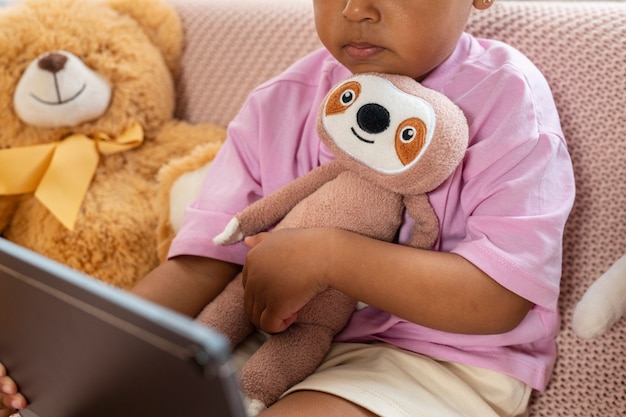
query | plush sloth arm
[270, 209]
[426, 229]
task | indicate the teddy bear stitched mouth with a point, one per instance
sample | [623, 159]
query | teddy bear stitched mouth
[60, 100]
[53, 63]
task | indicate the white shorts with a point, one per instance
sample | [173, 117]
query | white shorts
[393, 382]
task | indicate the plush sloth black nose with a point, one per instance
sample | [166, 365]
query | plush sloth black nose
[373, 118]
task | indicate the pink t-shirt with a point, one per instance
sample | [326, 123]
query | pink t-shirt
[504, 208]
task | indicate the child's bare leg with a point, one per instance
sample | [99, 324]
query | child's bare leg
[10, 398]
[314, 404]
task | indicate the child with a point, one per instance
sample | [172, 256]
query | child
[465, 329]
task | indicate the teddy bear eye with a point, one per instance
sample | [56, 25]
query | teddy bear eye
[407, 134]
[347, 97]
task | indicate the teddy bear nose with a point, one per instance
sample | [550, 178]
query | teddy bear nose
[373, 118]
[53, 62]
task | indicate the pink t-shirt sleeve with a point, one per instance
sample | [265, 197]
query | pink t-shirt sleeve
[506, 206]
[264, 150]
[229, 187]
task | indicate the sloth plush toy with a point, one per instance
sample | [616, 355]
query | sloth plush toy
[394, 141]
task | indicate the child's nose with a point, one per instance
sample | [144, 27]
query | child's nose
[359, 10]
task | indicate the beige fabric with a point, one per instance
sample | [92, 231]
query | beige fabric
[581, 48]
[392, 382]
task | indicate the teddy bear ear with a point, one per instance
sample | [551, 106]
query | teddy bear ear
[160, 22]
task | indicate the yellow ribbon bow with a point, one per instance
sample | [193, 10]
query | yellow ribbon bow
[60, 173]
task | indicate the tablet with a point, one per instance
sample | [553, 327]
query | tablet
[81, 348]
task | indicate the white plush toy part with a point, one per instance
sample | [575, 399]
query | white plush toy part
[603, 304]
[58, 89]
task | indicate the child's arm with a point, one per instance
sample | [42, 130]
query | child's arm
[186, 283]
[443, 291]
[10, 398]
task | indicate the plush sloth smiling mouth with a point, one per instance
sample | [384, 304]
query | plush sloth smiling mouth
[359, 137]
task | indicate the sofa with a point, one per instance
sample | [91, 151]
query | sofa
[232, 46]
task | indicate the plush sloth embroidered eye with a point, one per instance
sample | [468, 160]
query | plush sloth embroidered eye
[378, 124]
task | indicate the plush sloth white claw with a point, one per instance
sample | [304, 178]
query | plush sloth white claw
[231, 234]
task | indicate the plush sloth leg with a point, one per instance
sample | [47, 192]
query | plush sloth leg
[289, 357]
[226, 314]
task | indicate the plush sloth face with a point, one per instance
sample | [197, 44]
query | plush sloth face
[378, 124]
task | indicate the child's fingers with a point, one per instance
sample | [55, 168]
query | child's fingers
[6, 403]
[252, 241]
[12, 402]
[9, 397]
[18, 401]
[7, 386]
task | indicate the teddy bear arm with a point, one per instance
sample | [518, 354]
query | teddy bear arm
[270, 209]
[8, 206]
[426, 228]
[176, 139]
[182, 136]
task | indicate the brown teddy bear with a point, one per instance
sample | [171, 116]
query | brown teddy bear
[86, 121]
[394, 141]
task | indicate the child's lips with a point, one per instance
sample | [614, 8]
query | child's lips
[361, 50]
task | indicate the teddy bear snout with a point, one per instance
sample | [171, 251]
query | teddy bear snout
[52, 62]
[58, 89]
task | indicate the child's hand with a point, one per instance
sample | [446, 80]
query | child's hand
[10, 399]
[284, 270]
